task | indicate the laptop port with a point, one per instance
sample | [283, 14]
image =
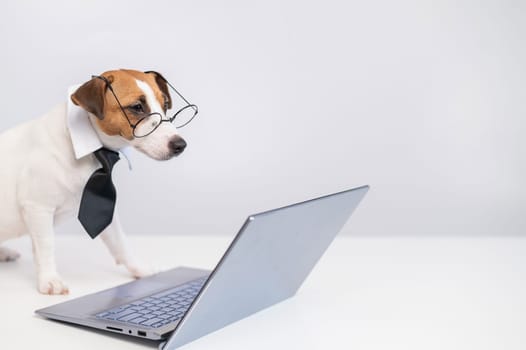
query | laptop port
[141, 333]
[114, 329]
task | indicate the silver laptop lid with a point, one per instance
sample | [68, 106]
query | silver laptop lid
[267, 262]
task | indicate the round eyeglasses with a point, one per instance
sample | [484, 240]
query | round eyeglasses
[148, 124]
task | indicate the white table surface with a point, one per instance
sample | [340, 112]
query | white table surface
[365, 293]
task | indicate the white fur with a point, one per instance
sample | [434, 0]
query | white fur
[150, 96]
[41, 183]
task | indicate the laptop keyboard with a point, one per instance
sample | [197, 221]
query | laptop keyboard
[156, 310]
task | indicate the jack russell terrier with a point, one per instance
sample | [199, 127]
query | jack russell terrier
[47, 162]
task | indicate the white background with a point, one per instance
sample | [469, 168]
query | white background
[423, 100]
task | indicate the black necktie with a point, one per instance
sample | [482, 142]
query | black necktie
[98, 198]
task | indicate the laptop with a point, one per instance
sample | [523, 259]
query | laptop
[267, 262]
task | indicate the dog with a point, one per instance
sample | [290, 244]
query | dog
[44, 171]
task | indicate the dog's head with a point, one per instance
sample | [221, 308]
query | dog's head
[136, 96]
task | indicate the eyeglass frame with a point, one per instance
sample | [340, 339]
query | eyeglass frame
[134, 126]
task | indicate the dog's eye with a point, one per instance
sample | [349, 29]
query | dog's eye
[137, 108]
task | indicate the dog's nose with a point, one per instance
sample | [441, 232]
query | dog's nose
[177, 145]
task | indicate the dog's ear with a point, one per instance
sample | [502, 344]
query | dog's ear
[90, 96]
[163, 85]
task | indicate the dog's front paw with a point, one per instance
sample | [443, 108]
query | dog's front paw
[51, 284]
[139, 271]
[7, 254]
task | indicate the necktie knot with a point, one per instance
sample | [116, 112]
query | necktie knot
[107, 158]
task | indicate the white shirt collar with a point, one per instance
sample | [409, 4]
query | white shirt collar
[83, 136]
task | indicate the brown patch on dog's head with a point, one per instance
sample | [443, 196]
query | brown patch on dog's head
[95, 97]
